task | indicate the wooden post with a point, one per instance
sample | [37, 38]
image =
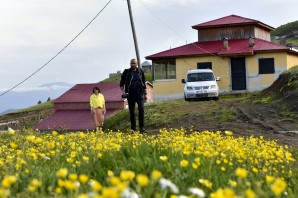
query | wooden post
[134, 33]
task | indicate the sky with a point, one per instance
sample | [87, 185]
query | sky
[34, 31]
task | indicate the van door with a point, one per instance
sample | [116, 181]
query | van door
[238, 73]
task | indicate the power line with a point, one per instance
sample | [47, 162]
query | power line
[173, 29]
[58, 52]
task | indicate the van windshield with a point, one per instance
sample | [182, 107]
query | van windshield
[194, 77]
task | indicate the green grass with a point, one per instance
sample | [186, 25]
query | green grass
[165, 114]
[41, 106]
[293, 41]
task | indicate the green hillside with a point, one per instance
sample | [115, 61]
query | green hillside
[286, 34]
[286, 29]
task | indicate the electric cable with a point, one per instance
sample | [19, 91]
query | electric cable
[58, 52]
[173, 29]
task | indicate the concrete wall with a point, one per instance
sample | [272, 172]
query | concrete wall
[256, 81]
[292, 61]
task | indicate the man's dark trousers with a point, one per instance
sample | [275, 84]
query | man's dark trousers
[132, 100]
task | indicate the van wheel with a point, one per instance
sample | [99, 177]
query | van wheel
[186, 99]
[216, 98]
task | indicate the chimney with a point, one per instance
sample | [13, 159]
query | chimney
[225, 43]
[251, 41]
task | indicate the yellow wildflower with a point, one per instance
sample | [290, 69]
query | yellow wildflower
[142, 180]
[85, 158]
[279, 186]
[156, 175]
[61, 182]
[233, 183]
[163, 158]
[8, 181]
[228, 132]
[99, 155]
[249, 193]
[13, 145]
[206, 183]
[73, 176]
[62, 173]
[83, 196]
[223, 193]
[36, 183]
[83, 178]
[96, 186]
[58, 190]
[61, 137]
[110, 192]
[11, 131]
[194, 166]
[183, 163]
[255, 170]
[127, 175]
[269, 179]
[241, 172]
[115, 181]
[110, 173]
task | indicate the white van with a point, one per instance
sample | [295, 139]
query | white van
[200, 83]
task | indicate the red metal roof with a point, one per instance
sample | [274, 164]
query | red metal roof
[71, 120]
[236, 47]
[231, 20]
[82, 92]
[81, 118]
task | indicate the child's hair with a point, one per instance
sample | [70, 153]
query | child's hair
[96, 88]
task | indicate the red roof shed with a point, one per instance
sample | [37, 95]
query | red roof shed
[72, 109]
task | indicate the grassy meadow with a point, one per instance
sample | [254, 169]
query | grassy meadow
[170, 163]
[174, 163]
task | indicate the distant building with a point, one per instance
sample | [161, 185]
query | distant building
[115, 74]
[146, 66]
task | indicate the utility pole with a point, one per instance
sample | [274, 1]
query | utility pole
[134, 33]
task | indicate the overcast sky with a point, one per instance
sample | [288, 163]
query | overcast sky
[33, 31]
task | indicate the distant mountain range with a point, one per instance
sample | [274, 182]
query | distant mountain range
[15, 100]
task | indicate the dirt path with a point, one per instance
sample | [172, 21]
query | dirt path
[265, 120]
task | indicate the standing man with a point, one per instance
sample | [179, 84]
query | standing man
[133, 87]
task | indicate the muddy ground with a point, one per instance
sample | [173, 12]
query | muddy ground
[265, 120]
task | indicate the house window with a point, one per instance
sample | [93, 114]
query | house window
[266, 66]
[165, 69]
[204, 65]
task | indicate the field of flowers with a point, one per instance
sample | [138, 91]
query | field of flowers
[174, 163]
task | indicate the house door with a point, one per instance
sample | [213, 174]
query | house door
[238, 73]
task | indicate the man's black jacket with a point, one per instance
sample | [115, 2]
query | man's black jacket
[126, 78]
